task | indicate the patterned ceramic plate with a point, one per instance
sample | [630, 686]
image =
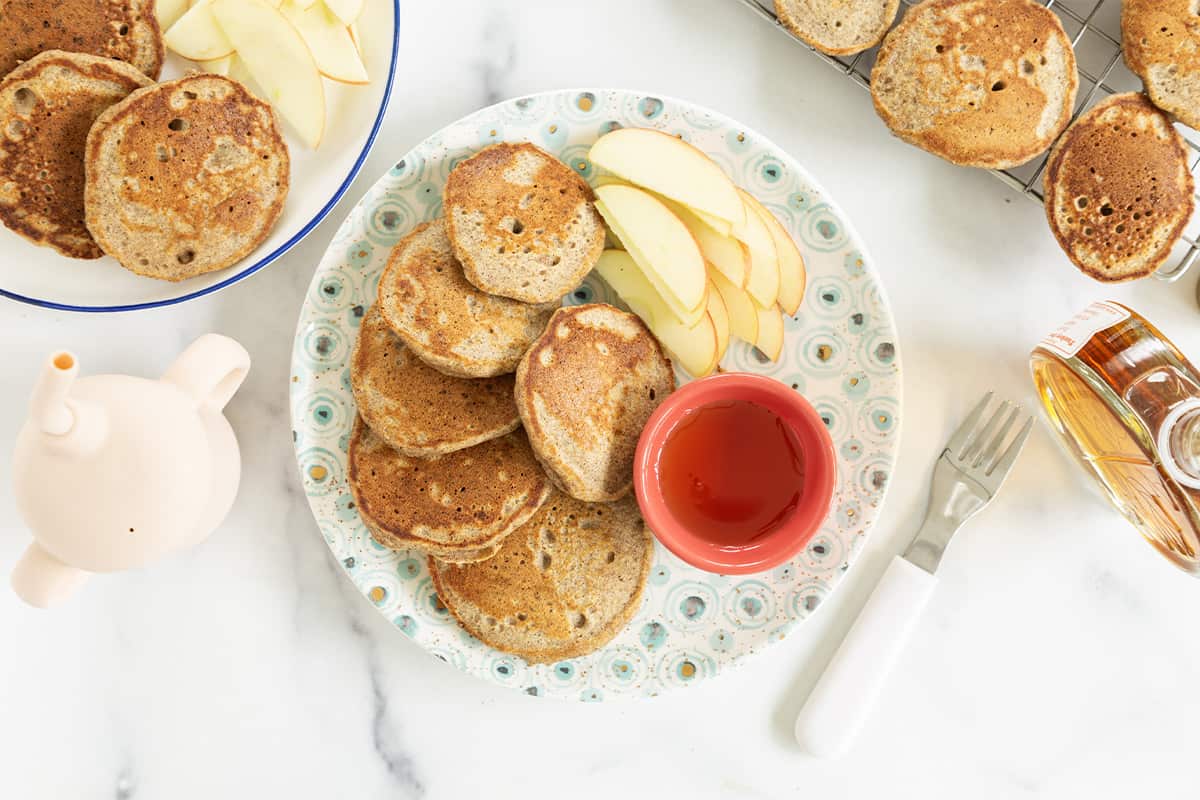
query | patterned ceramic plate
[840, 352]
[319, 178]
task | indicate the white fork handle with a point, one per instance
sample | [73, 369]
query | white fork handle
[847, 691]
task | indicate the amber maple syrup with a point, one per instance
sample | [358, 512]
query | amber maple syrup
[732, 472]
[1127, 404]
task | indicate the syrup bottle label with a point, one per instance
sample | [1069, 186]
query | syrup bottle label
[1070, 337]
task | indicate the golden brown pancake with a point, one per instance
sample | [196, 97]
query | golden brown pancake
[522, 223]
[981, 83]
[585, 390]
[47, 107]
[448, 323]
[186, 177]
[1118, 189]
[562, 586]
[416, 409]
[466, 500]
[838, 27]
[1161, 42]
[126, 30]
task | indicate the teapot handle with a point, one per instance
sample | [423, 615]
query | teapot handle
[211, 370]
[41, 580]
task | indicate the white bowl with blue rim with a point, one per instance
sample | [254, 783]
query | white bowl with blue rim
[840, 351]
[43, 277]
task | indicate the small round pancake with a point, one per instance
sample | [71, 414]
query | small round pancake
[466, 500]
[585, 390]
[416, 409]
[562, 586]
[448, 323]
[47, 107]
[126, 30]
[838, 27]
[522, 223]
[186, 177]
[1118, 189]
[981, 83]
[1161, 42]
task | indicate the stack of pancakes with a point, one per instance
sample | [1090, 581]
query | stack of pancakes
[515, 486]
[173, 180]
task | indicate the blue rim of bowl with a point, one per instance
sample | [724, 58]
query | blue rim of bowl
[283, 248]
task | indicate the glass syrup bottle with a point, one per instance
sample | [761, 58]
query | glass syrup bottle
[1126, 403]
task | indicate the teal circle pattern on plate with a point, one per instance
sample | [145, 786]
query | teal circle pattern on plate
[840, 351]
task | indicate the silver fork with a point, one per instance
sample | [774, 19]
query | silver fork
[966, 477]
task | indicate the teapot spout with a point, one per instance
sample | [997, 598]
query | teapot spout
[41, 580]
[51, 413]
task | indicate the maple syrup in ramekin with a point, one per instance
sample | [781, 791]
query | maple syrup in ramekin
[752, 486]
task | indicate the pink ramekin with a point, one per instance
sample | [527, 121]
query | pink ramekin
[820, 474]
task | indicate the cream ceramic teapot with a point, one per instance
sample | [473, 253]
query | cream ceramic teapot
[112, 471]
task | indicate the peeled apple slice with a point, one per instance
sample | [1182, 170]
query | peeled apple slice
[196, 35]
[169, 12]
[276, 56]
[346, 10]
[219, 66]
[329, 40]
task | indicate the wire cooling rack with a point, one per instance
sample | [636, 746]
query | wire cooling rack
[1094, 28]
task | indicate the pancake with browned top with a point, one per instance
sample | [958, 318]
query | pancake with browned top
[448, 323]
[522, 223]
[1118, 189]
[47, 107]
[1161, 42]
[838, 27]
[562, 586]
[126, 30]
[416, 409]
[466, 500]
[981, 83]
[186, 177]
[585, 390]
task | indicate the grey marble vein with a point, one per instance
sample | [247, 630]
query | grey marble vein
[497, 56]
[399, 765]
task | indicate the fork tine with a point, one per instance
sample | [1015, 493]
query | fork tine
[1005, 462]
[988, 455]
[962, 437]
[985, 435]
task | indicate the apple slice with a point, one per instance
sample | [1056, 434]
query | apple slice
[276, 57]
[762, 281]
[169, 12]
[671, 167]
[719, 225]
[696, 347]
[329, 41]
[741, 309]
[196, 35]
[353, 29]
[218, 66]
[238, 71]
[345, 10]
[720, 318]
[660, 244]
[770, 331]
[791, 263]
[727, 254]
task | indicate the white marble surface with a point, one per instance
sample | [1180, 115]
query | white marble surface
[1059, 658]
